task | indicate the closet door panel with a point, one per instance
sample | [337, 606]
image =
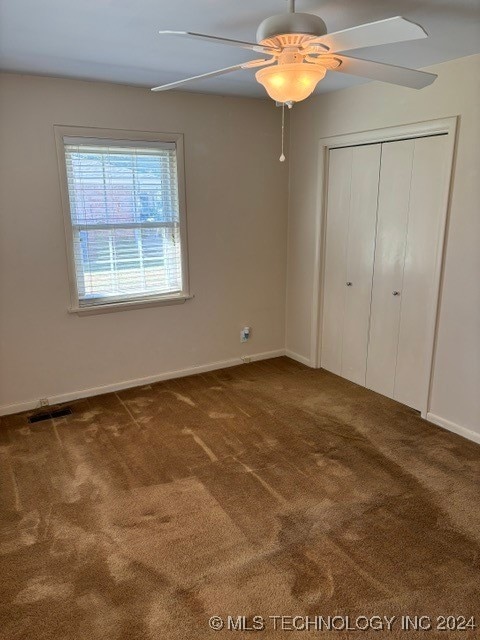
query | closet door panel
[360, 255]
[429, 181]
[393, 207]
[338, 209]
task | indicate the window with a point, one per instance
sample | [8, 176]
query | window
[125, 222]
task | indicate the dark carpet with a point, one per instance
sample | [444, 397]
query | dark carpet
[267, 489]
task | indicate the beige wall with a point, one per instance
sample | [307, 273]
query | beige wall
[236, 198]
[456, 385]
[237, 213]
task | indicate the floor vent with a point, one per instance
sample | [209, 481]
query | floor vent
[48, 415]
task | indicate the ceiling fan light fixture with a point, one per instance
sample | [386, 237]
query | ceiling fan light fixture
[301, 50]
[290, 82]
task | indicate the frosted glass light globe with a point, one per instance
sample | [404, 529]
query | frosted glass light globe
[290, 82]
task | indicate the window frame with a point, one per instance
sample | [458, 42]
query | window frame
[146, 138]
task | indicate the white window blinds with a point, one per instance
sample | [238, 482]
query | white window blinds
[125, 219]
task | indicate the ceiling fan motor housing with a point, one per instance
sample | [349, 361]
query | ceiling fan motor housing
[298, 25]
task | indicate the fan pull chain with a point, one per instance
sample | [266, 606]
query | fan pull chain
[282, 157]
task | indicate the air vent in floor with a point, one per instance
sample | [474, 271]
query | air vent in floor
[48, 415]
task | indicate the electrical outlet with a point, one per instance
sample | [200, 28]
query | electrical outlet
[245, 334]
[43, 402]
[246, 359]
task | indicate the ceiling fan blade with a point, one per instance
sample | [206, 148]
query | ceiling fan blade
[372, 34]
[212, 74]
[216, 39]
[385, 72]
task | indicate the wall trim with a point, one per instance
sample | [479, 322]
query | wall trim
[299, 358]
[455, 428]
[139, 382]
[203, 368]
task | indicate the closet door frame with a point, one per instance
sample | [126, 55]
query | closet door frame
[444, 126]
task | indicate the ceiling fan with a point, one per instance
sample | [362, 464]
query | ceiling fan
[301, 52]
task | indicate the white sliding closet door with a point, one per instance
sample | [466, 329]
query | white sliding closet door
[412, 182]
[351, 221]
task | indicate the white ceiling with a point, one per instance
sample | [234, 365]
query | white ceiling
[117, 40]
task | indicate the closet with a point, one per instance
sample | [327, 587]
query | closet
[384, 205]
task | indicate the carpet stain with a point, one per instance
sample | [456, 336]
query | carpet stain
[218, 415]
[184, 399]
[44, 588]
[201, 444]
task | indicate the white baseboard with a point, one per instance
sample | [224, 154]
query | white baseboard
[298, 358]
[138, 382]
[452, 426]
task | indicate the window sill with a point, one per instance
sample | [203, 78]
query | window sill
[132, 304]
